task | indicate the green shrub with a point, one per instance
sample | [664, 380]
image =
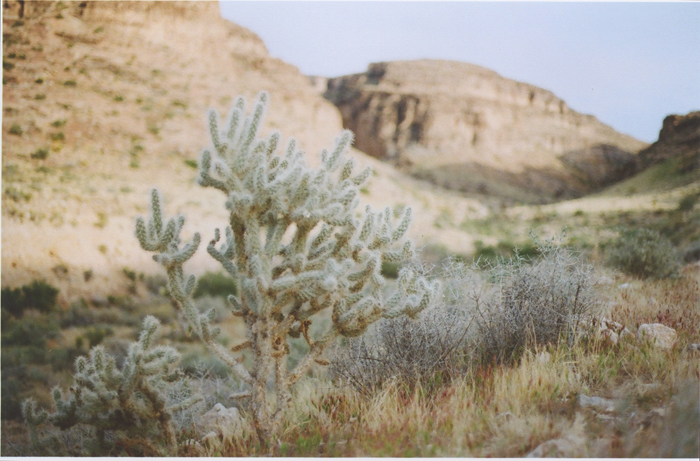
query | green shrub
[37, 295]
[486, 255]
[688, 202]
[96, 334]
[29, 332]
[58, 136]
[40, 154]
[643, 253]
[16, 130]
[40, 97]
[215, 284]
[70, 83]
[191, 163]
[131, 275]
[7, 65]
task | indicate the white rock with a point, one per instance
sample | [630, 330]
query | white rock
[219, 419]
[660, 335]
[571, 445]
[597, 403]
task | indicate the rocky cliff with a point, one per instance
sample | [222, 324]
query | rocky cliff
[466, 127]
[679, 139]
[104, 100]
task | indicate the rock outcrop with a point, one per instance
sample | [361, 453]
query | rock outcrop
[466, 127]
[679, 139]
[104, 100]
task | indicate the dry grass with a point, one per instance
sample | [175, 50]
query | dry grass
[504, 411]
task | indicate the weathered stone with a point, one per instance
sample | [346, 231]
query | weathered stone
[660, 335]
[218, 419]
[573, 444]
[596, 403]
[462, 126]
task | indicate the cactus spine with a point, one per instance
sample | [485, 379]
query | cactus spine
[294, 248]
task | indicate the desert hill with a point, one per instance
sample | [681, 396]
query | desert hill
[104, 100]
[465, 127]
[679, 139]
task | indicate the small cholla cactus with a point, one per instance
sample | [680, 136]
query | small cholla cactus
[295, 249]
[129, 403]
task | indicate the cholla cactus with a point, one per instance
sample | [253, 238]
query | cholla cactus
[295, 249]
[130, 403]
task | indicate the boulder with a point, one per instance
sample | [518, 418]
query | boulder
[571, 445]
[597, 403]
[660, 335]
[218, 419]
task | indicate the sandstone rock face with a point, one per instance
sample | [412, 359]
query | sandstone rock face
[444, 119]
[114, 96]
[660, 335]
[679, 138]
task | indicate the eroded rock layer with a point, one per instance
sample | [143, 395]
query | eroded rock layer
[442, 120]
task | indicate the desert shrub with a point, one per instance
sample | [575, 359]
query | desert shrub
[30, 331]
[428, 350]
[63, 358]
[40, 295]
[688, 202]
[37, 295]
[40, 154]
[215, 284]
[486, 255]
[157, 284]
[16, 130]
[96, 334]
[12, 301]
[520, 305]
[11, 398]
[643, 253]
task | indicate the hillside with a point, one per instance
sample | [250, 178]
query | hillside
[101, 102]
[467, 128]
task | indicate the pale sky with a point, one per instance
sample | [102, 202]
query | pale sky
[629, 64]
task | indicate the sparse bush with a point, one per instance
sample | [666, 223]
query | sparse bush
[40, 154]
[331, 262]
[215, 284]
[125, 410]
[427, 351]
[131, 275]
[96, 334]
[523, 305]
[643, 253]
[58, 136]
[191, 163]
[16, 130]
[70, 83]
[39, 97]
